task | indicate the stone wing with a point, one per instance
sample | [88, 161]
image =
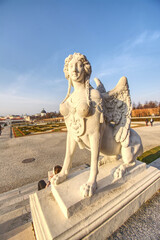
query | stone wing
[117, 109]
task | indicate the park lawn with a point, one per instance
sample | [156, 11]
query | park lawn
[26, 130]
[150, 155]
[16, 132]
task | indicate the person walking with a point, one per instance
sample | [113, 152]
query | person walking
[146, 122]
[151, 122]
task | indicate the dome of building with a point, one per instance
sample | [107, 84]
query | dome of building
[43, 111]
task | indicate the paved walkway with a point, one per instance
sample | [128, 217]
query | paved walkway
[6, 134]
[150, 135]
[156, 163]
[48, 150]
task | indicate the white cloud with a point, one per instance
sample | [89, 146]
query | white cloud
[139, 40]
[117, 64]
[155, 36]
[19, 105]
[143, 38]
[124, 59]
[30, 91]
[53, 83]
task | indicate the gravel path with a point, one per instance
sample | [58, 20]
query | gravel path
[144, 224]
[48, 150]
[150, 136]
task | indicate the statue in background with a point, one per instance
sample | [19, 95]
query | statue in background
[97, 120]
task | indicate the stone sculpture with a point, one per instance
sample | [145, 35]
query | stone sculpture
[97, 120]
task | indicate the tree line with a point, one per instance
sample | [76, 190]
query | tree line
[48, 115]
[147, 104]
[53, 114]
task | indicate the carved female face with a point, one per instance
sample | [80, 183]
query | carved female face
[76, 70]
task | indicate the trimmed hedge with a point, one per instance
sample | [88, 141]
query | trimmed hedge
[20, 131]
[142, 119]
[150, 155]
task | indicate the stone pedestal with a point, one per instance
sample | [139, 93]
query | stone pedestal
[60, 212]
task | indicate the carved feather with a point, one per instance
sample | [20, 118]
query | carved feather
[100, 86]
[117, 108]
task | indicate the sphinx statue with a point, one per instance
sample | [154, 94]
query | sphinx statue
[98, 120]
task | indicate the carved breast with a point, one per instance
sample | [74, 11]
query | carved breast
[75, 110]
[82, 109]
[64, 108]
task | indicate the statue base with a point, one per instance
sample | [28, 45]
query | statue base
[66, 215]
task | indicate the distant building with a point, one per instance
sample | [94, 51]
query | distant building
[54, 119]
[2, 118]
[15, 117]
[43, 113]
[37, 115]
[27, 118]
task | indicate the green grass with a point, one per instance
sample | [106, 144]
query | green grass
[17, 133]
[150, 156]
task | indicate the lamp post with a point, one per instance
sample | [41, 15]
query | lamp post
[10, 123]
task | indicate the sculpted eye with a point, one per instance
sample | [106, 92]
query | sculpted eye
[80, 64]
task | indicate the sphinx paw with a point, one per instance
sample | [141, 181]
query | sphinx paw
[88, 189]
[58, 178]
[119, 172]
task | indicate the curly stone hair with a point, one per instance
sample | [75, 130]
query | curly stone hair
[87, 70]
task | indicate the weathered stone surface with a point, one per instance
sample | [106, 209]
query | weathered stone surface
[68, 196]
[144, 224]
[89, 205]
[100, 218]
[88, 115]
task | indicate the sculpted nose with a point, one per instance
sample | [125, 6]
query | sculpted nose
[75, 68]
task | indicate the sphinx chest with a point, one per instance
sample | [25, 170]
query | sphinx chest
[75, 124]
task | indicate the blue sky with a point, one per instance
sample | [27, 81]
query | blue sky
[119, 37]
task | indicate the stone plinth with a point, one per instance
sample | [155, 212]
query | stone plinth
[68, 195]
[68, 216]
